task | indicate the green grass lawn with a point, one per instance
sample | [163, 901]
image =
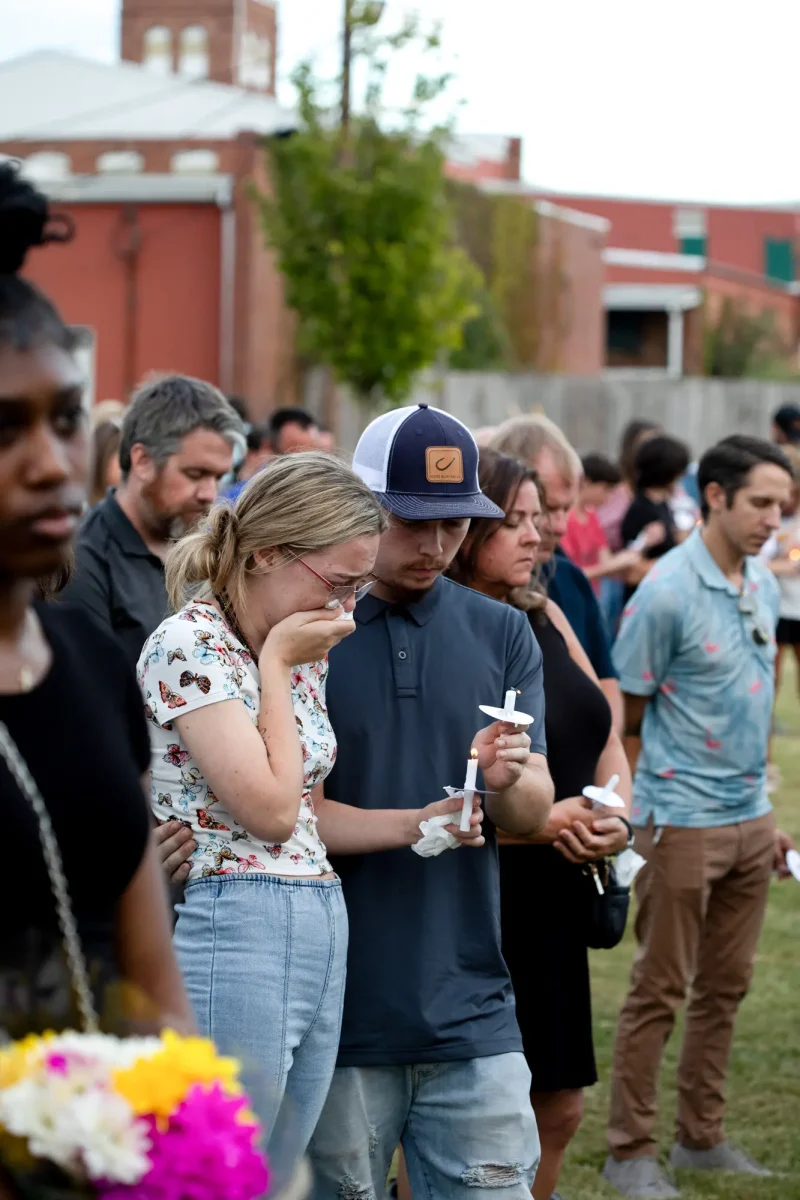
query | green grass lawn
[764, 1080]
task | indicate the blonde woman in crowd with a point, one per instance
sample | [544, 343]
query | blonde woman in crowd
[234, 684]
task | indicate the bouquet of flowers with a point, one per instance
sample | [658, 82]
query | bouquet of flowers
[159, 1118]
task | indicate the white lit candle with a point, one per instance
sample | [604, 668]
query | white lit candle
[510, 704]
[469, 790]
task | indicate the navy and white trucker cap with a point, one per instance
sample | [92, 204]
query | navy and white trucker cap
[423, 465]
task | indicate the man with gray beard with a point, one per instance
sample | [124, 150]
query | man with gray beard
[178, 439]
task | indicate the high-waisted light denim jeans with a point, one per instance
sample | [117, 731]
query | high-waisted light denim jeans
[264, 958]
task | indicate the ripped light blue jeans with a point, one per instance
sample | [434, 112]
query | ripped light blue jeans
[467, 1129]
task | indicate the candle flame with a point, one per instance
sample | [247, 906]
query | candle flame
[473, 753]
[794, 555]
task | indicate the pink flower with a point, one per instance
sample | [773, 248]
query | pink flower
[667, 688]
[647, 676]
[711, 647]
[755, 687]
[206, 1153]
[57, 1063]
[712, 743]
[668, 773]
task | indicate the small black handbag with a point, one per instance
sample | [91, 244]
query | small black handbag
[607, 905]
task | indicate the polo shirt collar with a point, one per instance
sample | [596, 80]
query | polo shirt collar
[705, 566]
[122, 530]
[420, 611]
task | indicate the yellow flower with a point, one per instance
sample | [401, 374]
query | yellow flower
[15, 1059]
[160, 1083]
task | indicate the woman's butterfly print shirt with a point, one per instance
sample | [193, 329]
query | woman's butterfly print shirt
[194, 659]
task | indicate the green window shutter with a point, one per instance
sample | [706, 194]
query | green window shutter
[779, 259]
[693, 245]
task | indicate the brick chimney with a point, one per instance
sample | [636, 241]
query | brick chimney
[228, 41]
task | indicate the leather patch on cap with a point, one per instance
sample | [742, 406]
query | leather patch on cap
[444, 464]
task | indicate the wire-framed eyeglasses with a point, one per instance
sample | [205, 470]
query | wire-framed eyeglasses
[340, 593]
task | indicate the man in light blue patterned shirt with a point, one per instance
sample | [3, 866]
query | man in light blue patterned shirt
[695, 656]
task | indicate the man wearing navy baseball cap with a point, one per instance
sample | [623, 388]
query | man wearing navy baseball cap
[430, 1054]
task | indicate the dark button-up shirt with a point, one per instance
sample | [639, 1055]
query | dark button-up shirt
[569, 588]
[426, 977]
[117, 580]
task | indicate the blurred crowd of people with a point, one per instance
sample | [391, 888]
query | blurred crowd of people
[312, 642]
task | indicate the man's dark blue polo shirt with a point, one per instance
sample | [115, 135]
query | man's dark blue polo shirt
[569, 588]
[426, 978]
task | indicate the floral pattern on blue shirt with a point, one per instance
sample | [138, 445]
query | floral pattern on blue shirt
[685, 644]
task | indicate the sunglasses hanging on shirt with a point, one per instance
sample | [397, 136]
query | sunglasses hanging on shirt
[748, 608]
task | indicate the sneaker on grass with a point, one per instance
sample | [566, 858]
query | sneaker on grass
[639, 1179]
[724, 1157]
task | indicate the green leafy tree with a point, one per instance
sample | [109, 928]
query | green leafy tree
[363, 233]
[740, 344]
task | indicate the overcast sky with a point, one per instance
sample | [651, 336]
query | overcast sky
[692, 99]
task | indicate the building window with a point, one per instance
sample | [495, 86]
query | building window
[157, 55]
[195, 162]
[636, 338]
[120, 162]
[47, 166]
[193, 57]
[690, 230]
[693, 245]
[255, 61]
[779, 259]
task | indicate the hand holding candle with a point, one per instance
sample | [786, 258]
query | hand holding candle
[469, 790]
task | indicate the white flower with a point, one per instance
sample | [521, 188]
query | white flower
[111, 1052]
[39, 1113]
[113, 1144]
[86, 1129]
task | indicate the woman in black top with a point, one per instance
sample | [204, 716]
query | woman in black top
[67, 698]
[659, 464]
[543, 887]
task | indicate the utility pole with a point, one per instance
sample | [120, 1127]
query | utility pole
[347, 58]
[355, 13]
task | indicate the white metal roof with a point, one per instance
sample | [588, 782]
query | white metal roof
[656, 260]
[469, 149]
[50, 95]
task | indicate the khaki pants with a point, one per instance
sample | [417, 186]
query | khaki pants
[702, 898]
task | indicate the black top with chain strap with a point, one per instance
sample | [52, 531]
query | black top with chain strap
[83, 735]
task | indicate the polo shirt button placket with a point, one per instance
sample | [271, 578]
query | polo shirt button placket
[405, 680]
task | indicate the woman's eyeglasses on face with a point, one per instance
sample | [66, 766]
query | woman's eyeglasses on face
[342, 592]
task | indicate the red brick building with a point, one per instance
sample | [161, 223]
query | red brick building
[670, 267]
[667, 268]
[168, 269]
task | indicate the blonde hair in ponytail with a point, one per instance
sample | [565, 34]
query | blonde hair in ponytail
[298, 504]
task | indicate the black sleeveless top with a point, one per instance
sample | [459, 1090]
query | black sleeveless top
[83, 735]
[543, 897]
[577, 715]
